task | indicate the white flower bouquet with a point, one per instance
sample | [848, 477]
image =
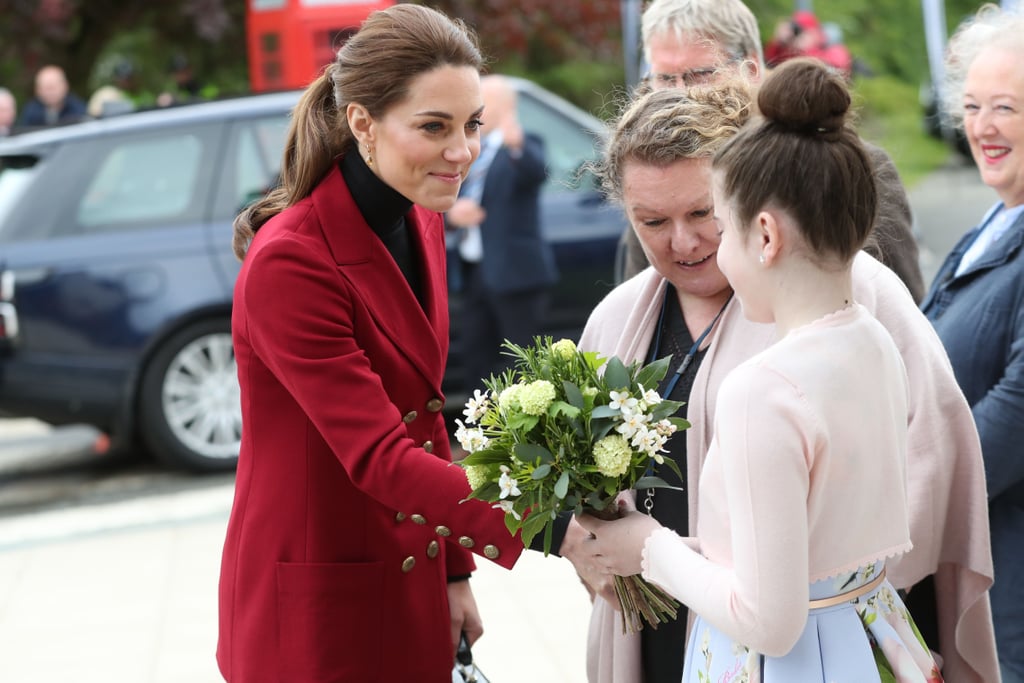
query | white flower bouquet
[566, 431]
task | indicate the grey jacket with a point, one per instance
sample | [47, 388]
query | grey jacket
[979, 316]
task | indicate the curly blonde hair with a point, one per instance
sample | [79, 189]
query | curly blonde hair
[990, 28]
[661, 127]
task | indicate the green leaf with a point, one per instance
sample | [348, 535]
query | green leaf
[594, 359]
[533, 524]
[512, 524]
[573, 394]
[562, 408]
[680, 423]
[541, 471]
[531, 452]
[604, 411]
[600, 428]
[665, 409]
[673, 465]
[488, 492]
[655, 483]
[488, 456]
[616, 374]
[522, 421]
[595, 501]
[651, 375]
[562, 485]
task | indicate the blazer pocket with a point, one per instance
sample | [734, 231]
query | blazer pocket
[330, 622]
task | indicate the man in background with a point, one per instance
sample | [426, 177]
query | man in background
[505, 266]
[8, 112]
[690, 42]
[54, 103]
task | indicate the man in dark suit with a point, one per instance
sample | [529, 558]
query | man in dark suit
[54, 103]
[505, 266]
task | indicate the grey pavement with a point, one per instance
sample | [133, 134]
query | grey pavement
[124, 591]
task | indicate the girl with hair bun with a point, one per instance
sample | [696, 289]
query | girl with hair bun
[803, 493]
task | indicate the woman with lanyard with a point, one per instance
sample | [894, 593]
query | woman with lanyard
[657, 164]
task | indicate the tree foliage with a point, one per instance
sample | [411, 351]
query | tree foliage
[571, 46]
[76, 34]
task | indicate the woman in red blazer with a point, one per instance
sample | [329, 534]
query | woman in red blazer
[348, 546]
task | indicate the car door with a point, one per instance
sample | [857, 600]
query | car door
[106, 250]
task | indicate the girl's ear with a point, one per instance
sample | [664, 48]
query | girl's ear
[769, 235]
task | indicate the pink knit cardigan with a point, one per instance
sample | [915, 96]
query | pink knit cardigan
[946, 481]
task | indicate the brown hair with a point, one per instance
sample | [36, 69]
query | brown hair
[804, 157]
[374, 68]
[662, 127]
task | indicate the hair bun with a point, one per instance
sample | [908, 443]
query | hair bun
[805, 96]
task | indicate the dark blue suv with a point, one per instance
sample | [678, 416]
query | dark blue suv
[116, 269]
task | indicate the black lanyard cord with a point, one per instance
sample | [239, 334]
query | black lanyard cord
[694, 349]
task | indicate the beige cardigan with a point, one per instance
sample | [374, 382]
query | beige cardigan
[946, 480]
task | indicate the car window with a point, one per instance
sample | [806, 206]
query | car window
[16, 173]
[567, 145]
[257, 157]
[143, 181]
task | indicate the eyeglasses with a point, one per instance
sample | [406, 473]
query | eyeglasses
[687, 78]
[700, 75]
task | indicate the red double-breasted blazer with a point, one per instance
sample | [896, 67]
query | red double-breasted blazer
[347, 518]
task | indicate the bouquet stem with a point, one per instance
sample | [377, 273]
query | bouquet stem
[639, 600]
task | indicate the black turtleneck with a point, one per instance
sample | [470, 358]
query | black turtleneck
[383, 208]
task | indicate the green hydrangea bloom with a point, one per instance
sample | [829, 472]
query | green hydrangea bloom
[477, 475]
[612, 455]
[564, 348]
[535, 397]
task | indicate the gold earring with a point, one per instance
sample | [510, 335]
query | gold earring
[369, 157]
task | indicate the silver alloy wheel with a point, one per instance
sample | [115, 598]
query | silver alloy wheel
[200, 397]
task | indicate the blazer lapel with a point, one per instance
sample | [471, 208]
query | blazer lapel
[1008, 244]
[364, 260]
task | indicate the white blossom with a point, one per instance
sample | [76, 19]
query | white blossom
[471, 439]
[506, 505]
[623, 402]
[507, 484]
[476, 406]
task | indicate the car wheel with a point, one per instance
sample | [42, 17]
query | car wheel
[190, 410]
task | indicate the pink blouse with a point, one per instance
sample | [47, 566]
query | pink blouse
[805, 479]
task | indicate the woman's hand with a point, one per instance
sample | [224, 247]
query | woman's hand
[616, 546]
[464, 614]
[594, 578]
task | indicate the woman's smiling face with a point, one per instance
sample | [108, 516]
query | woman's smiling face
[994, 120]
[424, 145]
[671, 210]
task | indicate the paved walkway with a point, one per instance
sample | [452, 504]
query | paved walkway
[125, 592]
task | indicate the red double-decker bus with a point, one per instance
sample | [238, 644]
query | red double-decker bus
[289, 41]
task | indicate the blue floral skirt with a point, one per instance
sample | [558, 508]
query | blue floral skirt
[870, 638]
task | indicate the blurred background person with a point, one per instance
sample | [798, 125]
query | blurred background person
[118, 96]
[802, 35]
[506, 267]
[977, 299]
[53, 103]
[185, 86]
[687, 42]
[8, 111]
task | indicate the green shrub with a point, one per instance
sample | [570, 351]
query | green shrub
[890, 115]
